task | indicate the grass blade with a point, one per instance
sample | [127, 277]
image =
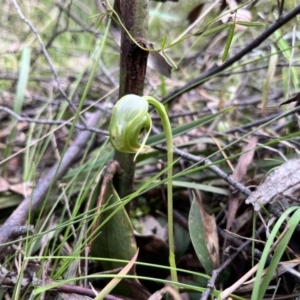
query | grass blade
[228, 42]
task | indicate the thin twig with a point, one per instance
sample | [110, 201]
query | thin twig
[216, 273]
[252, 124]
[52, 131]
[79, 290]
[51, 122]
[8, 279]
[228, 178]
[217, 69]
[78, 20]
[238, 242]
[263, 120]
[55, 31]
[30, 78]
[244, 70]
[45, 52]
[33, 201]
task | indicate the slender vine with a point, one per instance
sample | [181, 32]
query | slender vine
[130, 119]
[184, 35]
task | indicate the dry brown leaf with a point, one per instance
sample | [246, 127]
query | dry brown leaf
[147, 240]
[114, 281]
[21, 188]
[155, 61]
[194, 13]
[239, 173]
[240, 15]
[158, 63]
[72, 296]
[20, 127]
[282, 268]
[4, 185]
[242, 220]
[210, 230]
[158, 295]
[296, 98]
[245, 160]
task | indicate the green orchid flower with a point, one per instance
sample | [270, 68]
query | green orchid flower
[129, 120]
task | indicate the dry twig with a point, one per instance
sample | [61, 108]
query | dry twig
[52, 122]
[46, 54]
[32, 202]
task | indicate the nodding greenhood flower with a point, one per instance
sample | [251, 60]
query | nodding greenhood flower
[130, 119]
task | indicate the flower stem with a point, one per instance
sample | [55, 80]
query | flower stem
[168, 132]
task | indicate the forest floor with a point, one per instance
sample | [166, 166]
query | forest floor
[228, 74]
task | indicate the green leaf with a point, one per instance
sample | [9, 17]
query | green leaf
[168, 59]
[290, 74]
[228, 42]
[217, 29]
[269, 78]
[160, 138]
[291, 225]
[250, 24]
[22, 80]
[115, 281]
[201, 187]
[116, 238]
[19, 98]
[163, 42]
[259, 288]
[203, 234]
[116, 241]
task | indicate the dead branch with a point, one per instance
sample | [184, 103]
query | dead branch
[46, 54]
[32, 202]
[196, 82]
[51, 122]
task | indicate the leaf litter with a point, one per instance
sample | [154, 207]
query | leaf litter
[283, 178]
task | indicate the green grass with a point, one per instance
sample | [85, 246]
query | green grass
[63, 224]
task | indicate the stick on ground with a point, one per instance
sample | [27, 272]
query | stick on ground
[32, 202]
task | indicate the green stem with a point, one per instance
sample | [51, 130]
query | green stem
[129, 119]
[134, 16]
[168, 132]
